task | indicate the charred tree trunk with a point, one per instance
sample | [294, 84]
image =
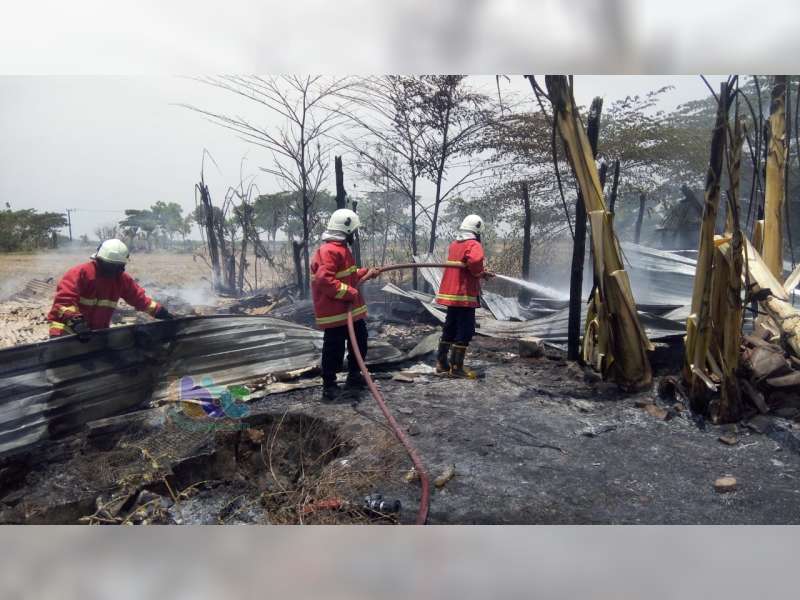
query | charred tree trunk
[211, 233]
[414, 280]
[614, 187]
[524, 293]
[440, 176]
[356, 241]
[242, 263]
[306, 234]
[341, 195]
[579, 246]
[640, 218]
[297, 257]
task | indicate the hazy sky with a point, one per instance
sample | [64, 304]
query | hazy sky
[104, 144]
[93, 143]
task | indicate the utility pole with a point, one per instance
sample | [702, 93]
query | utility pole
[69, 221]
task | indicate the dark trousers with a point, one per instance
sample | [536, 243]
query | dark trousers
[459, 325]
[333, 342]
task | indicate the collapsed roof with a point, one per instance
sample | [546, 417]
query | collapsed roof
[54, 388]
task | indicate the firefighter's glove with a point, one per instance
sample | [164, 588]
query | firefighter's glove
[163, 314]
[81, 329]
[487, 275]
[371, 273]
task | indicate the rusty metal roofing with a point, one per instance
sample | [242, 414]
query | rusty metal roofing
[53, 388]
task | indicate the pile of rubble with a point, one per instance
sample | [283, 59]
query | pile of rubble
[770, 377]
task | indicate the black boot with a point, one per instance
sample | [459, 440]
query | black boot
[442, 364]
[355, 381]
[457, 364]
[330, 389]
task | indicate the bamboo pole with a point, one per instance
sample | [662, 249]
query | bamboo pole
[775, 190]
[615, 340]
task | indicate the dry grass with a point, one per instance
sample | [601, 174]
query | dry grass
[299, 471]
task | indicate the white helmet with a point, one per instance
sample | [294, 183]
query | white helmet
[344, 220]
[112, 251]
[472, 223]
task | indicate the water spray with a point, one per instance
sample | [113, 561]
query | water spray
[536, 288]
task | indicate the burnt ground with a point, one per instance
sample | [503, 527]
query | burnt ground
[534, 442]
[537, 440]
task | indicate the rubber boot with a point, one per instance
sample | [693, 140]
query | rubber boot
[330, 389]
[457, 364]
[442, 364]
[355, 381]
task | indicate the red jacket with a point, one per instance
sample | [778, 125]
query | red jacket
[461, 287]
[334, 277]
[82, 291]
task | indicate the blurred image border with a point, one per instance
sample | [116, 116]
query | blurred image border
[447, 561]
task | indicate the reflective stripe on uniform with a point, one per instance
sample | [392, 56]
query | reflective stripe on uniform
[455, 262]
[341, 317]
[97, 302]
[343, 287]
[346, 272]
[66, 309]
[56, 328]
[457, 298]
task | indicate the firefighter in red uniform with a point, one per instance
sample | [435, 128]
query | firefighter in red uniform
[459, 292]
[334, 277]
[88, 293]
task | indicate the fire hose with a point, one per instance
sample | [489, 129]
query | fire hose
[422, 513]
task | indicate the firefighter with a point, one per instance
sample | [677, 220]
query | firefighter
[459, 293]
[87, 294]
[334, 277]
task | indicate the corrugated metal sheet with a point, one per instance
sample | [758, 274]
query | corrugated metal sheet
[502, 308]
[34, 289]
[659, 276]
[551, 328]
[54, 388]
[433, 275]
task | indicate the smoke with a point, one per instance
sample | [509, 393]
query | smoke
[197, 294]
[10, 286]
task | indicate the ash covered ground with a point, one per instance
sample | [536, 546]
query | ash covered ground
[537, 440]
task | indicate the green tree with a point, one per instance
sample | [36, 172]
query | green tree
[168, 218]
[29, 230]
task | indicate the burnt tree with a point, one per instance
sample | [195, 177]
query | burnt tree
[524, 293]
[341, 195]
[579, 246]
[640, 218]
